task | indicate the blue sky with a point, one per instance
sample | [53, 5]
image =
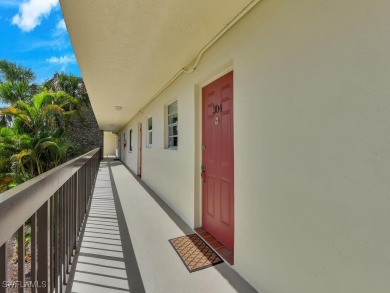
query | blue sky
[33, 34]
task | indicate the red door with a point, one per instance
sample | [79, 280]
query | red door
[218, 160]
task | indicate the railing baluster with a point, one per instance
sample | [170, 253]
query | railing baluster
[56, 239]
[85, 189]
[70, 243]
[89, 179]
[64, 239]
[77, 209]
[74, 233]
[55, 226]
[21, 250]
[86, 185]
[82, 171]
[52, 242]
[70, 218]
[43, 218]
[63, 244]
[74, 212]
[85, 192]
[33, 251]
[66, 235]
[3, 267]
[81, 197]
[61, 238]
[70, 205]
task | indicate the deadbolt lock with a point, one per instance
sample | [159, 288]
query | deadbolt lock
[202, 174]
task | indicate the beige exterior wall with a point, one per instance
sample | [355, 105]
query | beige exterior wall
[168, 172]
[312, 144]
[127, 156]
[109, 144]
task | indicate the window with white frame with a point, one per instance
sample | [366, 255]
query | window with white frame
[172, 132]
[149, 136]
[130, 140]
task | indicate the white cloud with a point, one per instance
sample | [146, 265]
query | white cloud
[62, 60]
[61, 25]
[57, 43]
[60, 28]
[31, 13]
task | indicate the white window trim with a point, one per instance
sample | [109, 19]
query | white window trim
[171, 125]
[149, 145]
[130, 140]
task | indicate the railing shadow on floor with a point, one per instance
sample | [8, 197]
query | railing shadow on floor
[106, 260]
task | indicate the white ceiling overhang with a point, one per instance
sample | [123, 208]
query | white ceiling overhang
[127, 50]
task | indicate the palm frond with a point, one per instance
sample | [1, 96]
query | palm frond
[6, 132]
[21, 155]
[14, 112]
[49, 145]
[21, 105]
[52, 109]
[44, 97]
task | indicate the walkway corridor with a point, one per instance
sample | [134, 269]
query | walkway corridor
[125, 245]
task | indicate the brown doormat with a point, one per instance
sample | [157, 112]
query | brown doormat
[194, 252]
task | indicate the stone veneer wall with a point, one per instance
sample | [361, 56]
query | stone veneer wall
[84, 131]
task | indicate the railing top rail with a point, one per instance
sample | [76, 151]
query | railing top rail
[20, 203]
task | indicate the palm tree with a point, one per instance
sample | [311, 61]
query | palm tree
[13, 72]
[35, 143]
[70, 84]
[8, 147]
[32, 131]
[46, 110]
[16, 83]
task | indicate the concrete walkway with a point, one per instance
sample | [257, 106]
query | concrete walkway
[125, 246]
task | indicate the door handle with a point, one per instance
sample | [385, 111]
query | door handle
[203, 173]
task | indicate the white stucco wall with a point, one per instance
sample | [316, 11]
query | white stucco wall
[312, 145]
[109, 144]
[168, 172]
[127, 156]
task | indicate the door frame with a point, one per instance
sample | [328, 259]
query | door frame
[119, 148]
[139, 150]
[208, 78]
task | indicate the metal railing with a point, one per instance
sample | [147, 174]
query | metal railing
[56, 203]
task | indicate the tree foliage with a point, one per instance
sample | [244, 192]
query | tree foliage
[35, 144]
[32, 128]
[10, 71]
[16, 83]
[70, 84]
